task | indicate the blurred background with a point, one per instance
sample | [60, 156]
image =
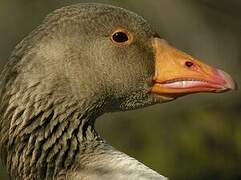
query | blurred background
[195, 137]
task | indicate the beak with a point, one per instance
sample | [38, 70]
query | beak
[178, 74]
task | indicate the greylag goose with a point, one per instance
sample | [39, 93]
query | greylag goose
[82, 61]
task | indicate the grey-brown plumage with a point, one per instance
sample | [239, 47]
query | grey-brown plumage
[58, 80]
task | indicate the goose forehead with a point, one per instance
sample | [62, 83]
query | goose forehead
[97, 17]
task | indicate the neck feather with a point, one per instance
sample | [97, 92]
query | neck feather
[46, 132]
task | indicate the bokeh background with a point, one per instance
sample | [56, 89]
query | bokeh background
[196, 137]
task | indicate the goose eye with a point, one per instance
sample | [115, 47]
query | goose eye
[120, 37]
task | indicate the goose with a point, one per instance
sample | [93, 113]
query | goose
[85, 60]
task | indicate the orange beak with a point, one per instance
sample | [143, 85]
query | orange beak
[177, 73]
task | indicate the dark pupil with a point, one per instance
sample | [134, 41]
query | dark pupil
[120, 37]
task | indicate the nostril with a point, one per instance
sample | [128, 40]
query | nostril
[189, 64]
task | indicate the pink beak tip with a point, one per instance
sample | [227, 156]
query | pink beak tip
[230, 84]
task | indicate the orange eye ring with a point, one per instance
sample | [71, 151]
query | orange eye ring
[121, 37]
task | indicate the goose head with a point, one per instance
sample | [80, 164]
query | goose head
[112, 55]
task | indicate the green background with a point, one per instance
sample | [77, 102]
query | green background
[194, 137]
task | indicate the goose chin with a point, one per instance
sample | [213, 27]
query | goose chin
[186, 84]
[183, 87]
[220, 82]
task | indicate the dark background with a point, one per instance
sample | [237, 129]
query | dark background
[195, 137]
